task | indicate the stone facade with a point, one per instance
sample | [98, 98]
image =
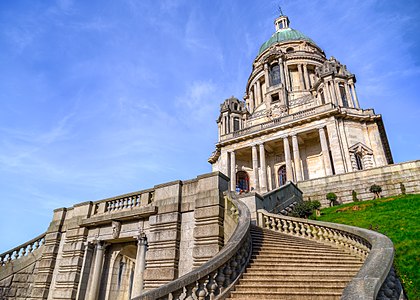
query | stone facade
[94, 250]
[300, 119]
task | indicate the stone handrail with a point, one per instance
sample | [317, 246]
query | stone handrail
[214, 279]
[21, 250]
[375, 279]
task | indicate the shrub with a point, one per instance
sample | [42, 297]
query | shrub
[332, 197]
[376, 190]
[402, 188]
[354, 196]
[305, 209]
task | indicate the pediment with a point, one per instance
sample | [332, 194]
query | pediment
[360, 148]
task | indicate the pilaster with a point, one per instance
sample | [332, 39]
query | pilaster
[162, 256]
[47, 263]
[208, 215]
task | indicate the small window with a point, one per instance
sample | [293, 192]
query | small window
[359, 162]
[236, 124]
[290, 49]
[275, 75]
[275, 97]
[343, 95]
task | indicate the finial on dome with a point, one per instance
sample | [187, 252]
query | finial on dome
[280, 11]
[282, 22]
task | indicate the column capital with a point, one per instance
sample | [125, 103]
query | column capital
[265, 66]
[141, 238]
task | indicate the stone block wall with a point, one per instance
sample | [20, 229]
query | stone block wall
[17, 280]
[181, 220]
[388, 177]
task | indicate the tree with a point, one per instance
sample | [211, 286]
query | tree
[376, 190]
[332, 197]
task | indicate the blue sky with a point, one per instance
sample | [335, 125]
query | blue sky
[100, 98]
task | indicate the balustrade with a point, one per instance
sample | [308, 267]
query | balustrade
[375, 249]
[22, 250]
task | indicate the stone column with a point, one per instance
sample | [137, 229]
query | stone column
[325, 152]
[337, 92]
[281, 71]
[140, 266]
[296, 158]
[289, 174]
[286, 74]
[232, 171]
[251, 101]
[255, 167]
[326, 93]
[353, 92]
[301, 80]
[97, 271]
[333, 93]
[263, 167]
[306, 75]
[259, 101]
[266, 76]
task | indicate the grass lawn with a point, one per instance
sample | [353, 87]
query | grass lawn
[398, 218]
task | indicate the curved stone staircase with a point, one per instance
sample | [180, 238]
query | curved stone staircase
[288, 267]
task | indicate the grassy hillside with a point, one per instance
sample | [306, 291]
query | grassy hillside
[399, 219]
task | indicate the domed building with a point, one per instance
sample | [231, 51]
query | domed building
[300, 119]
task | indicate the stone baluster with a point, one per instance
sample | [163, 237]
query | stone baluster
[227, 273]
[212, 286]
[284, 227]
[220, 279]
[303, 229]
[201, 290]
[176, 295]
[189, 291]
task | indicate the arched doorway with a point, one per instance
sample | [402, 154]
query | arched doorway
[242, 181]
[282, 175]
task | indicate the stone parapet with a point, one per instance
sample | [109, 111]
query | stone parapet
[389, 177]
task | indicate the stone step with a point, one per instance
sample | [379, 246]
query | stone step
[303, 281]
[298, 276]
[293, 250]
[306, 264]
[316, 272]
[282, 256]
[277, 268]
[284, 247]
[285, 295]
[290, 287]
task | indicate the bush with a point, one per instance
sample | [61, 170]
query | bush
[402, 188]
[376, 190]
[332, 197]
[354, 196]
[305, 209]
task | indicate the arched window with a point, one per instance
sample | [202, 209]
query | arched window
[242, 181]
[290, 49]
[359, 162]
[274, 75]
[282, 175]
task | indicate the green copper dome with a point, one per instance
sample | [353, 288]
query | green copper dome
[284, 35]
